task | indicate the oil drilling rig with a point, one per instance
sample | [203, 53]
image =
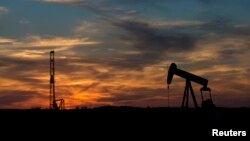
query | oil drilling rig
[55, 104]
[208, 103]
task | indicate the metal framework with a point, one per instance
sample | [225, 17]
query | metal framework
[53, 101]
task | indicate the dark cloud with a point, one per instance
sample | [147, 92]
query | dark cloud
[239, 30]
[107, 11]
[229, 53]
[11, 96]
[149, 39]
[230, 56]
[24, 64]
[224, 26]
[90, 86]
[151, 42]
[132, 94]
[125, 62]
[218, 24]
[23, 70]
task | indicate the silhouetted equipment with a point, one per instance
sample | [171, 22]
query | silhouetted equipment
[61, 104]
[190, 77]
[53, 100]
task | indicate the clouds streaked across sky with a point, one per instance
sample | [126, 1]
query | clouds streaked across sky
[117, 52]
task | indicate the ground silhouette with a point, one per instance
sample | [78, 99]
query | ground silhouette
[159, 122]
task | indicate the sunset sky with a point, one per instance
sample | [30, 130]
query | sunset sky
[117, 52]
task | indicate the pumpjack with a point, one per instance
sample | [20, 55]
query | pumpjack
[173, 70]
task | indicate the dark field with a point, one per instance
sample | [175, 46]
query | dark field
[126, 121]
